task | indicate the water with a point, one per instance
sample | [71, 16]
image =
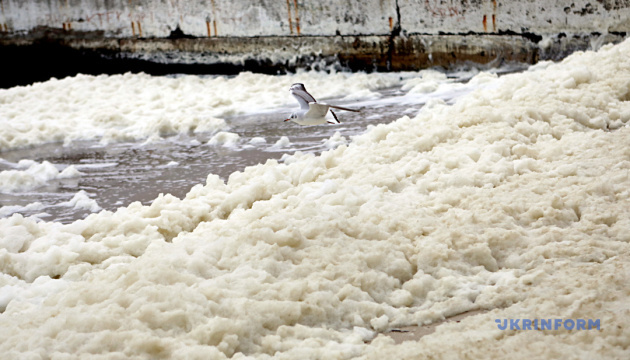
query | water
[118, 174]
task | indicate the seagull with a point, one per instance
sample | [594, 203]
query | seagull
[311, 112]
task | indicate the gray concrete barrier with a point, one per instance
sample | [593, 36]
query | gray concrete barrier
[226, 18]
[284, 34]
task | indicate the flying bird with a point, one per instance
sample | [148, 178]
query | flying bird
[311, 112]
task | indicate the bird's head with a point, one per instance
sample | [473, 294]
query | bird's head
[297, 86]
[293, 116]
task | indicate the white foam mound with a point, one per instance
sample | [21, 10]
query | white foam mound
[224, 138]
[258, 140]
[139, 106]
[283, 142]
[513, 200]
[81, 200]
[29, 174]
[7, 210]
[335, 140]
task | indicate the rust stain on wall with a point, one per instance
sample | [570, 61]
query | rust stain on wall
[438, 8]
[3, 26]
[214, 17]
[297, 17]
[290, 21]
[494, 15]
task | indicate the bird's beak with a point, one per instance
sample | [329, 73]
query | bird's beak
[285, 120]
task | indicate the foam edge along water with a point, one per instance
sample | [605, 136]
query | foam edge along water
[513, 200]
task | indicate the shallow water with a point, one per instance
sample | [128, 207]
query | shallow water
[118, 174]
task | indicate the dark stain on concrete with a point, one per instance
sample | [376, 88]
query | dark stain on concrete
[71, 52]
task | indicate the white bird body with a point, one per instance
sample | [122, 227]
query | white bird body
[311, 112]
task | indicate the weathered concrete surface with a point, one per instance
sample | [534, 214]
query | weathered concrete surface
[155, 18]
[206, 18]
[281, 35]
[522, 16]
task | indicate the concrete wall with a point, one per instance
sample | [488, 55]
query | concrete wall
[157, 18]
[246, 18]
[225, 36]
[535, 16]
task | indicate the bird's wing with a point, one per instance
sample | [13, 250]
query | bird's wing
[341, 107]
[301, 95]
[334, 116]
[317, 110]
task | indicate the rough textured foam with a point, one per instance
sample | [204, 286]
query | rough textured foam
[28, 175]
[81, 200]
[138, 106]
[514, 200]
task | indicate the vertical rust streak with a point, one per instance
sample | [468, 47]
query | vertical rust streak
[297, 17]
[139, 29]
[485, 24]
[208, 28]
[214, 17]
[391, 23]
[290, 22]
[3, 27]
[67, 24]
[133, 26]
[494, 15]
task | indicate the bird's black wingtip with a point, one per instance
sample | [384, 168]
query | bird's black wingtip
[335, 116]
